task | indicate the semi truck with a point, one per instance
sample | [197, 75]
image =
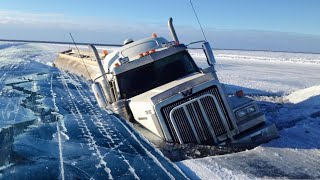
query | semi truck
[157, 86]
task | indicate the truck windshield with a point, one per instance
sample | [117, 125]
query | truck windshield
[157, 73]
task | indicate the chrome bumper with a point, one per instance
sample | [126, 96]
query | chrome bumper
[259, 135]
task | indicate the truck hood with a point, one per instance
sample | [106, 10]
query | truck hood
[171, 88]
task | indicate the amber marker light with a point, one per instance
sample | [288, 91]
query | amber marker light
[105, 52]
[240, 93]
[154, 35]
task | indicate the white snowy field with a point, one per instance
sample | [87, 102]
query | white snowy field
[286, 86]
[265, 72]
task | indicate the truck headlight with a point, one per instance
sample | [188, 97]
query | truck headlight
[251, 109]
[246, 111]
[241, 113]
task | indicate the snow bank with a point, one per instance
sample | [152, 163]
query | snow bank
[312, 94]
[207, 168]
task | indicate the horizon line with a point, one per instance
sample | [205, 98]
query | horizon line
[119, 45]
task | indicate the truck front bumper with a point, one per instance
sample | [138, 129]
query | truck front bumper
[255, 130]
[259, 135]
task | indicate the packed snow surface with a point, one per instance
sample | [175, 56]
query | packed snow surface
[51, 126]
[287, 89]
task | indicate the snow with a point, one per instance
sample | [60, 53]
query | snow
[96, 144]
[304, 94]
[287, 57]
[263, 76]
[287, 90]
[60, 133]
[294, 155]
[74, 138]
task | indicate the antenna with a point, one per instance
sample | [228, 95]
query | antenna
[195, 13]
[80, 55]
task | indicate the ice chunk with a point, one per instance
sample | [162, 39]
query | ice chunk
[64, 137]
[300, 96]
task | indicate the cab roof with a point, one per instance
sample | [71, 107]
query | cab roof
[132, 50]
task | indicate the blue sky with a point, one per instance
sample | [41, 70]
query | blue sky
[265, 24]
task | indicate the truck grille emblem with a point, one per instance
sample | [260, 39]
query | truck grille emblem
[186, 93]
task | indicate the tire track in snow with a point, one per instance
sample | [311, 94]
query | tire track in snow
[99, 124]
[125, 140]
[98, 120]
[155, 160]
[91, 142]
[126, 143]
[58, 131]
[146, 151]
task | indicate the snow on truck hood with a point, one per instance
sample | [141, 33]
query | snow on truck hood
[146, 96]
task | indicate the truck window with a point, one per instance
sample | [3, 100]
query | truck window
[157, 73]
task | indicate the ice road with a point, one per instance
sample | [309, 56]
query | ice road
[51, 127]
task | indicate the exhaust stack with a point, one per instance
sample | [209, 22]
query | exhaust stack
[172, 31]
[209, 54]
[104, 83]
[99, 95]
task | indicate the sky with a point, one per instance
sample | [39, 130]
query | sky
[280, 25]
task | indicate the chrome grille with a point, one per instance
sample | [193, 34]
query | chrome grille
[199, 118]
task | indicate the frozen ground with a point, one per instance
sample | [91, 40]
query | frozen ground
[94, 144]
[51, 127]
[287, 88]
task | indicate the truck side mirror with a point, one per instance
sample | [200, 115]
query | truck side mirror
[209, 54]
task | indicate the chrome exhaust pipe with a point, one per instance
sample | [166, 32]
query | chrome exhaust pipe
[209, 54]
[99, 95]
[172, 31]
[104, 83]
